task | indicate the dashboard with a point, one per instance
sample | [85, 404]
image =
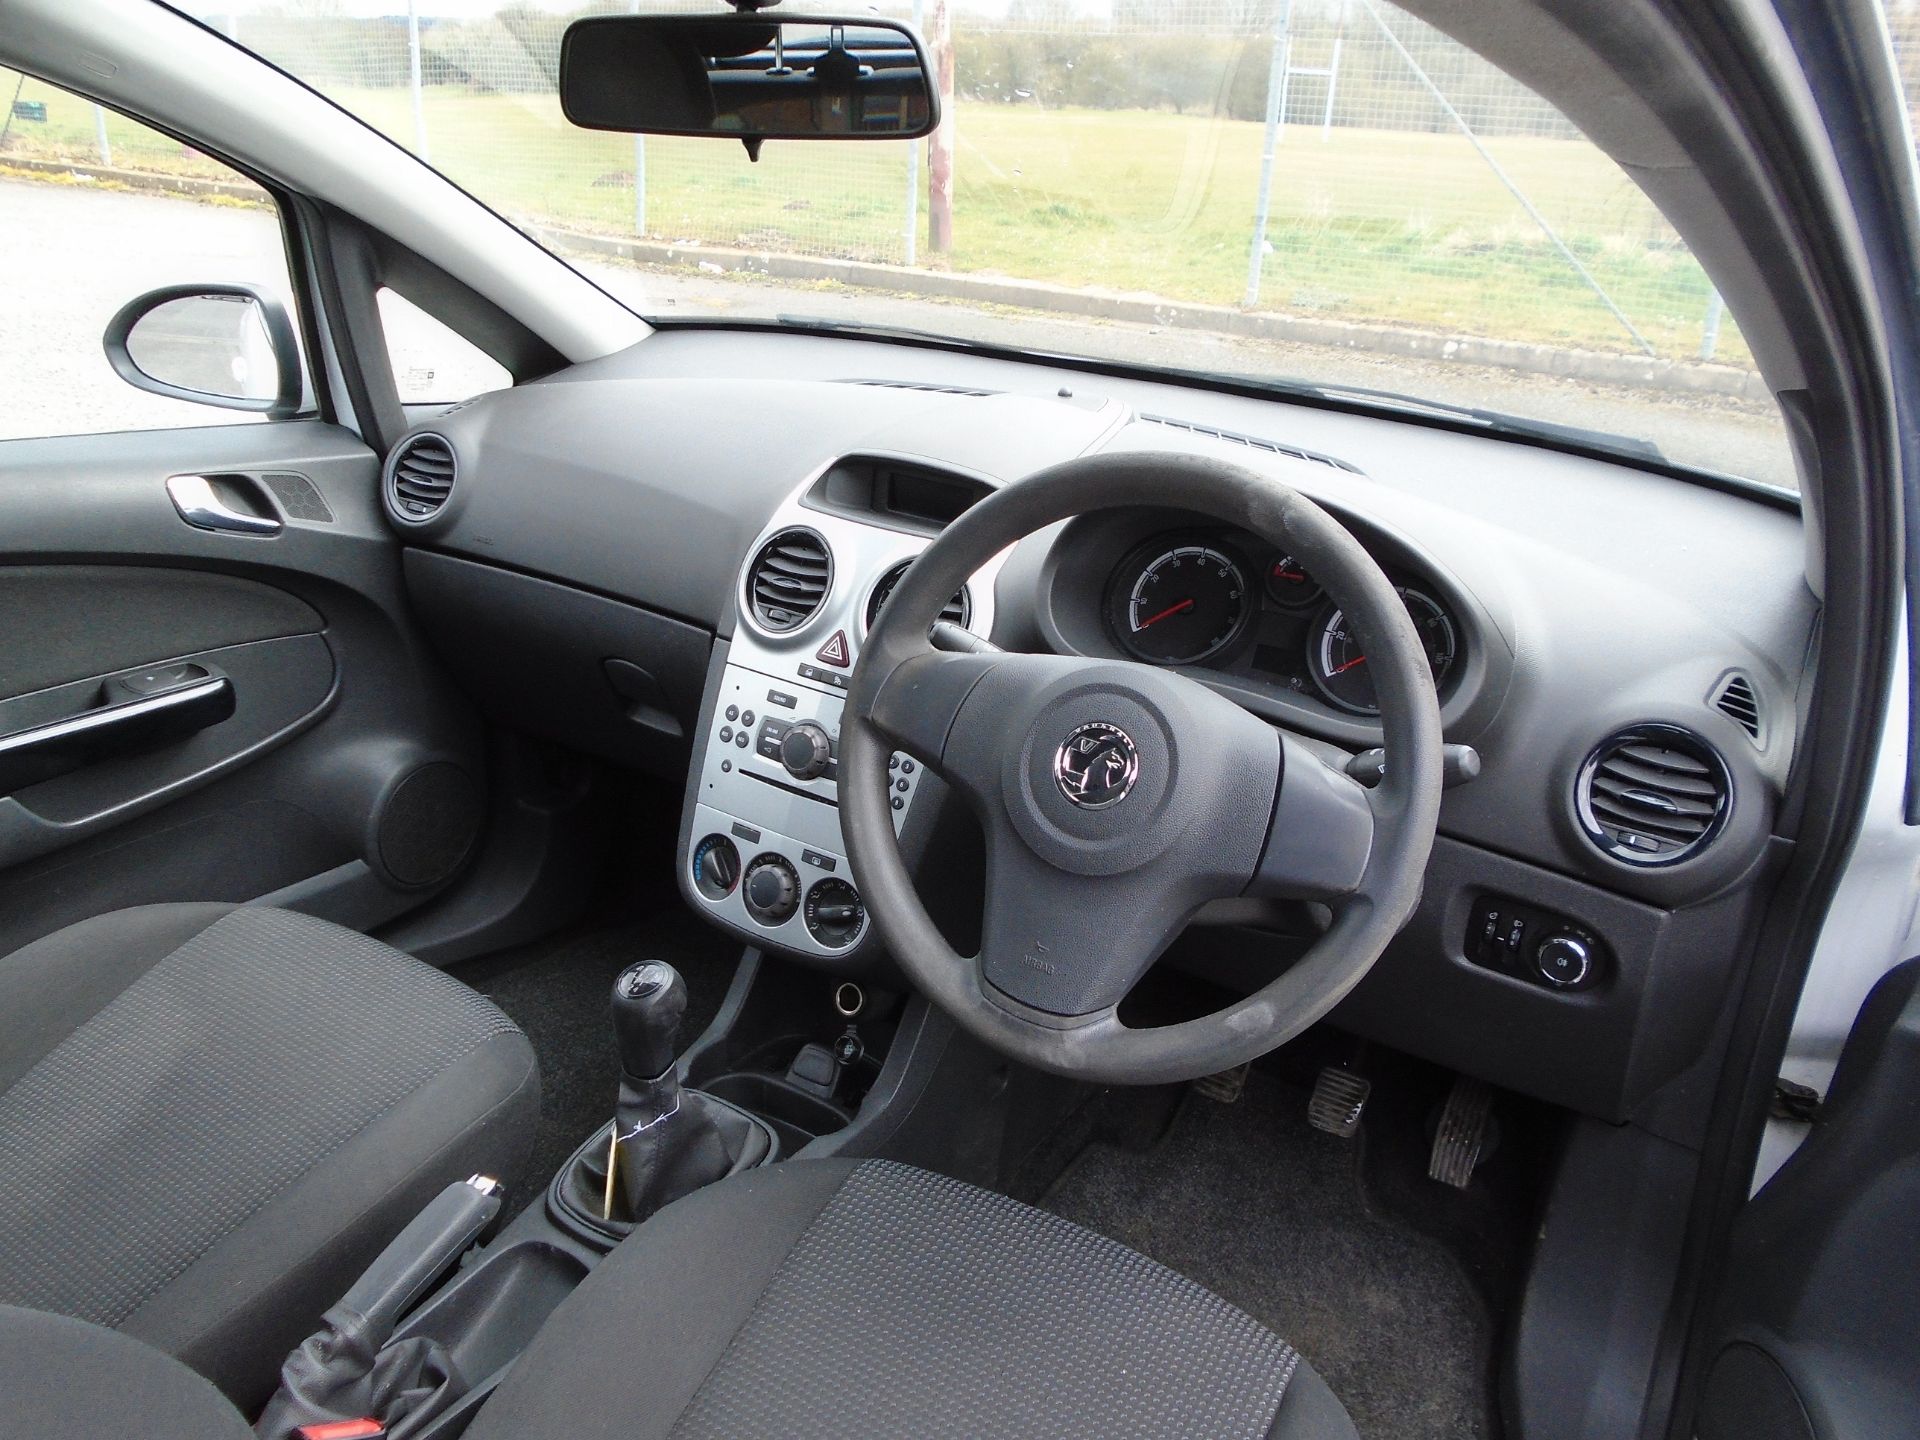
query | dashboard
[683, 546]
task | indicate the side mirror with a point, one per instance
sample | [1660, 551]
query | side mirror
[750, 77]
[226, 345]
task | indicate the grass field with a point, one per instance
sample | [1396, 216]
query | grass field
[1374, 226]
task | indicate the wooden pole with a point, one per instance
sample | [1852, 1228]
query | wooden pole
[940, 144]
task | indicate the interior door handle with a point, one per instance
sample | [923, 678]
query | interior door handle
[201, 503]
[139, 710]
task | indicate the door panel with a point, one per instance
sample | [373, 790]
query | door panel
[1820, 1322]
[337, 703]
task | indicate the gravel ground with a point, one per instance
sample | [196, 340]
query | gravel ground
[73, 255]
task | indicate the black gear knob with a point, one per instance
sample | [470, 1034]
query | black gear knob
[649, 1002]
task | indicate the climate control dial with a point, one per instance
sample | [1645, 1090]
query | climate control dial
[772, 889]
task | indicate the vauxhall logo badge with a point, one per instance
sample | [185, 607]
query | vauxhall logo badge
[1096, 765]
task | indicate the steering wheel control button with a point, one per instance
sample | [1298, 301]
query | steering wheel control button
[772, 891]
[836, 651]
[1563, 961]
[805, 750]
[834, 914]
[1096, 765]
[716, 867]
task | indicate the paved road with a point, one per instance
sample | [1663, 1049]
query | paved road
[70, 256]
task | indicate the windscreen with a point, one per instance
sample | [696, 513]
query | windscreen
[1327, 192]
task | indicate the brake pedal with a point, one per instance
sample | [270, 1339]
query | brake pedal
[1339, 1100]
[1225, 1086]
[1465, 1125]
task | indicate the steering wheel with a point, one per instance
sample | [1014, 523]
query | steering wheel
[1117, 798]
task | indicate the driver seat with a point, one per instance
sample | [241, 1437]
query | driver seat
[823, 1298]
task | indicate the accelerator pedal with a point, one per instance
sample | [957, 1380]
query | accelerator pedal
[1225, 1086]
[1463, 1132]
[1339, 1100]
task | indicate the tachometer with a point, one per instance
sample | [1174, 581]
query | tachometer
[1338, 665]
[1177, 605]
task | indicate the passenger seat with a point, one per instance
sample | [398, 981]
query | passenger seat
[213, 1116]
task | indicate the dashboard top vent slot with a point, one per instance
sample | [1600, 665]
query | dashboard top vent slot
[787, 582]
[959, 609]
[1735, 698]
[1653, 795]
[420, 475]
[1252, 442]
[930, 386]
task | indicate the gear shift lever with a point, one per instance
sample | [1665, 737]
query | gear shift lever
[669, 1141]
[649, 1002]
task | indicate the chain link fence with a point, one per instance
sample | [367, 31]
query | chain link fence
[1338, 159]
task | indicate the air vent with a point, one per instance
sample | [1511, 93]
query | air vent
[959, 609]
[789, 579]
[927, 385]
[1653, 795]
[420, 477]
[1252, 442]
[1735, 698]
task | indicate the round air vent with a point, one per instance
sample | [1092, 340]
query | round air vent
[788, 580]
[420, 477]
[1653, 795]
[959, 609]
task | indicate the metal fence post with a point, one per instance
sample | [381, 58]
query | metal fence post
[100, 136]
[639, 184]
[1276, 90]
[413, 71]
[913, 169]
[1710, 327]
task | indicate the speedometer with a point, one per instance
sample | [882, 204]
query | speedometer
[1338, 664]
[1177, 605]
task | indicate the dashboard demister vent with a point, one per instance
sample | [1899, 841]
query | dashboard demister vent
[788, 580]
[1653, 795]
[959, 609]
[931, 386]
[1252, 442]
[1735, 698]
[420, 476]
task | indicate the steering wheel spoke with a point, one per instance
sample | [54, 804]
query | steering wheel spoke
[916, 702]
[1322, 832]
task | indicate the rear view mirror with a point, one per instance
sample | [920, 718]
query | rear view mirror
[225, 345]
[747, 77]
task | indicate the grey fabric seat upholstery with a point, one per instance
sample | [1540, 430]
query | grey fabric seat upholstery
[212, 1118]
[830, 1298]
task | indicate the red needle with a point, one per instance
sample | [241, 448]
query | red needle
[1186, 604]
[1279, 574]
[1342, 669]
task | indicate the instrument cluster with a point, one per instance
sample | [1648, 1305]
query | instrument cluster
[1218, 599]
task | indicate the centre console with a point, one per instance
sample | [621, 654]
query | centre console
[761, 849]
